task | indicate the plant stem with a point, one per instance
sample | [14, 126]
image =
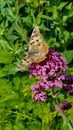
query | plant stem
[61, 111]
[66, 119]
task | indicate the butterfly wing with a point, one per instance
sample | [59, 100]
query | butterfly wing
[38, 54]
[35, 38]
[25, 62]
[38, 49]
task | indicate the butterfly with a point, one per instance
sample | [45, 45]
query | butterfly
[38, 50]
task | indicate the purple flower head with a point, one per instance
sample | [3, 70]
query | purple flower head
[40, 97]
[68, 85]
[65, 105]
[69, 78]
[38, 87]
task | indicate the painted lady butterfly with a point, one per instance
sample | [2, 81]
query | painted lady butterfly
[38, 50]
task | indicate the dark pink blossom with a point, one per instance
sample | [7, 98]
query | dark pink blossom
[68, 84]
[65, 105]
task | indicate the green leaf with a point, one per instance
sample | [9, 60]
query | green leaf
[9, 69]
[70, 70]
[27, 20]
[5, 44]
[7, 98]
[35, 3]
[55, 13]
[69, 55]
[70, 114]
[43, 27]
[64, 126]
[39, 18]
[46, 17]
[19, 126]
[2, 74]
[62, 5]
[5, 57]
[8, 127]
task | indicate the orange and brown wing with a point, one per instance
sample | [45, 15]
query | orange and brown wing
[40, 53]
[38, 49]
[25, 62]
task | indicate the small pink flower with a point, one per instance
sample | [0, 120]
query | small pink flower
[40, 97]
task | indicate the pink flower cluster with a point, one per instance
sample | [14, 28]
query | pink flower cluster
[51, 73]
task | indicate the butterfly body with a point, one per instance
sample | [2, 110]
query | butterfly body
[38, 50]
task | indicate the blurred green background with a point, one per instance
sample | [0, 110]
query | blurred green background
[17, 20]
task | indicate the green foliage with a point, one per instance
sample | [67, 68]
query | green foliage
[17, 19]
